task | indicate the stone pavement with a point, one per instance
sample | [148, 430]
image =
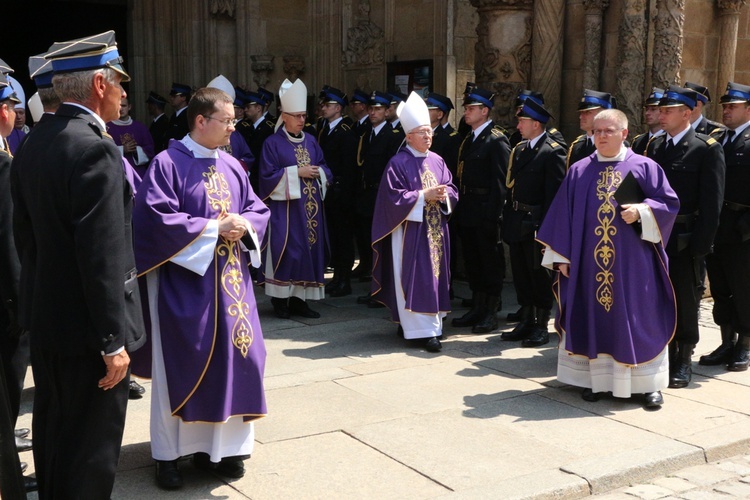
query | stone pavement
[356, 412]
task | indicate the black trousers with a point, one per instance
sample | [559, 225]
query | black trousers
[483, 262]
[77, 427]
[684, 271]
[533, 283]
[15, 355]
[340, 218]
[729, 274]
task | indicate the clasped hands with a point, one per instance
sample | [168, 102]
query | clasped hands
[232, 227]
[309, 172]
[436, 193]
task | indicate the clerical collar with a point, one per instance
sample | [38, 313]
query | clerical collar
[123, 123]
[480, 128]
[416, 153]
[677, 138]
[198, 150]
[379, 128]
[696, 122]
[741, 128]
[332, 125]
[533, 141]
[291, 138]
[618, 157]
[98, 118]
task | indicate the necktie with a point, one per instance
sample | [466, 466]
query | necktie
[373, 135]
[730, 137]
[668, 146]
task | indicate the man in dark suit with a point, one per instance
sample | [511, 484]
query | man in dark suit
[651, 117]
[177, 127]
[482, 167]
[591, 103]
[339, 145]
[700, 123]
[537, 167]
[729, 266]
[694, 165]
[159, 121]
[72, 225]
[358, 107]
[377, 145]
[255, 128]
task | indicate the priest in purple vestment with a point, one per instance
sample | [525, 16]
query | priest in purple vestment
[132, 138]
[293, 181]
[616, 303]
[198, 227]
[410, 242]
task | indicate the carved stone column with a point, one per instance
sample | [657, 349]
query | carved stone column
[668, 27]
[631, 60]
[547, 52]
[503, 52]
[729, 16]
[593, 46]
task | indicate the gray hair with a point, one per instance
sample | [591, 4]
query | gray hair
[49, 98]
[77, 86]
[613, 115]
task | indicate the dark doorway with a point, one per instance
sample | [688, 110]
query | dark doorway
[35, 24]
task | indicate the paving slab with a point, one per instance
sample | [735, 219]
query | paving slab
[543, 484]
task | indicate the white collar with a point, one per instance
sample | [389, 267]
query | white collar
[198, 150]
[379, 127]
[481, 128]
[416, 153]
[332, 125]
[741, 129]
[123, 123]
[678, 137]
[533, 141]
[618, 157]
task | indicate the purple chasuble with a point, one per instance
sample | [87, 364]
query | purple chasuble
[297, 235]
[14, 139]
[138, 132]
[239, 149]
[425, 256]
[618, 299]
[213, 347]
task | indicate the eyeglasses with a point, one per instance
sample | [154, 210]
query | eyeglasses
[606, 132]
[422, 133]
[298, 116]
[227, 123]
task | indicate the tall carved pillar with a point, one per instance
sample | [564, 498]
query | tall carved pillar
[593, 42]
[325, 30]
[729, 16]
[503, 52]
[547, 52]
[631, 60]
[668, 27]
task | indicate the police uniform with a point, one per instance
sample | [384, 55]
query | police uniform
[358, 126]
[729, 264]
[704, 125]
[583, 145]
[177, 126]
[534, 176]
[482, 167]
[441, 136]
[255, 135]
[339, 145]
[158, 127]
[640, 142]
[695, 169]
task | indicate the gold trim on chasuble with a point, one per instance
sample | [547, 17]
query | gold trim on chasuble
[310, 188]
[220, 199]
[604, 252]
[432, 216]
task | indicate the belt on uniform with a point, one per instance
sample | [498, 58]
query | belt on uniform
[470, 190]
[686, 219]
[735, 207]
[523, 207]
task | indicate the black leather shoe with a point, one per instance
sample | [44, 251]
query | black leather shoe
[538, 337]
[740, 360]
[433, 345]
[590, 396]
[720, 356]
[22, 432]
[654, 400]
[135, 390]
[23, 444]
[231, 467]
[168, 476]
[521, 331]
[203, 461]
[299, 307]
[30, 483]
[280, 308]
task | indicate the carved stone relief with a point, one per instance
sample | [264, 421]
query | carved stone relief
[730, 6]
[294, 66]
[593, 42]
[668, 31]
[364, 39]
[547, 48]
[631, 60]
[223, 7]
[262, 66]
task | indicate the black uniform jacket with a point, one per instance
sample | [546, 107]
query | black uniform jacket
[482, 168]
[177, 127]
[707, 127]
[158, 130]
[695, 169]
[735, 219]
[340, 150]
[10, 268]
[579, 149]
[534, 176]
[372, 157]
[72, 224]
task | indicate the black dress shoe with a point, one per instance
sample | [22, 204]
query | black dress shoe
[433, 345]
[280, 307]
[653, 400]
[232, 467]
[538, 338]
[168, 476]
[30, 483]
[23, 444]
[22, 432]
[299, 307]
[135, 390]
[590, 396]
[740, 360]
[720, 356]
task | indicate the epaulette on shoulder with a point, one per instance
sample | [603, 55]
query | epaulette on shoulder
[345, 126]
[396, 131]
[553, 143]
[579, 138]
[717, 130]
[710, 141]
[455, 132]
[552, 130]
[639, 136]
[270, 123]
[498, 131]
